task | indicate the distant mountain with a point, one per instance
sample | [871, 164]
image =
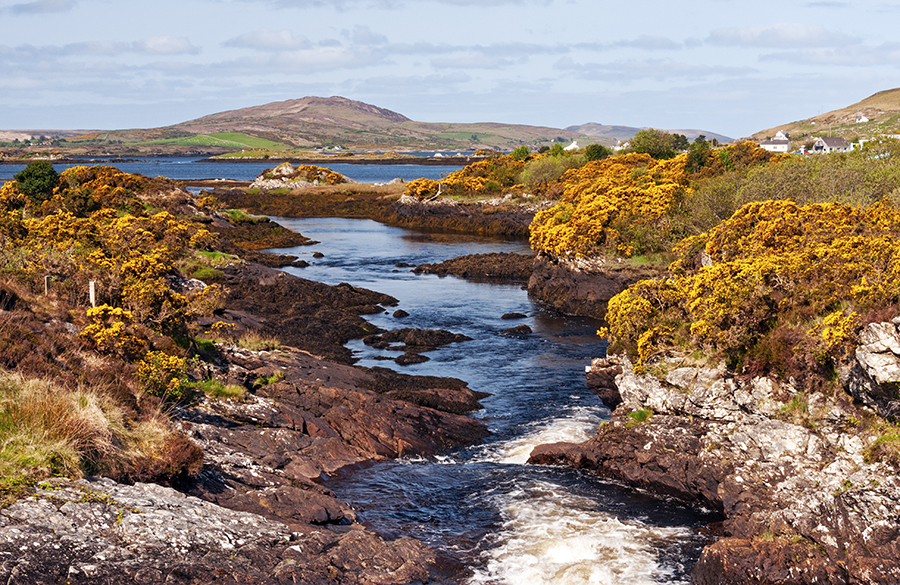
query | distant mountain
[623, 133]
[875, 115]
[318, 122]
[336, 121]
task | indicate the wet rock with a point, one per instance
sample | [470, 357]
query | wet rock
[310, 315]
[600, 377]
[414, 340]
[800, 503]
[509, 316]
[318, 255]
[411, 358]
[581, 286]
[495, 266]
[517, 330]
[400, 313]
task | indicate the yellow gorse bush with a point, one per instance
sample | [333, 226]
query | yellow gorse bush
[97, 226]
[815, 268]
[480, 177]
[605, 197]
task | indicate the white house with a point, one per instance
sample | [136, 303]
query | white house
[782, 135]
[861, 118]
[776, 145]
[830, 144]
[573, 146]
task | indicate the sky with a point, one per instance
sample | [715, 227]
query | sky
[733, 67]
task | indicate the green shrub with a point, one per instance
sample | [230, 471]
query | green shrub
[37, 180]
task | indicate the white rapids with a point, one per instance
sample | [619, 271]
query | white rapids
[550, 536]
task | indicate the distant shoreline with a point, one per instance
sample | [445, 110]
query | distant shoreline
[356, 160]
[362, 159]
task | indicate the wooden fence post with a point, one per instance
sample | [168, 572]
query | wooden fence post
[46, 284]
[92, 293]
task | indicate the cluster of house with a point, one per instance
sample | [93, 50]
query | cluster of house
[823, 145]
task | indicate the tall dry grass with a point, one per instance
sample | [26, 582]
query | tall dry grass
[47, 430]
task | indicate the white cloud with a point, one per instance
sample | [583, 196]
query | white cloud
[165, 46]
[858, 56]
[649, 69]
[42, 7]
[269, 40]
[780, 35]
[649, 43]
[470, 62]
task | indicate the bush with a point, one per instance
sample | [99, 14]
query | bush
[596, 152]
[781, 289]
[164, 375]
[37, 180]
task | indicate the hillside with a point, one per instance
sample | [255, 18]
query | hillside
[623, 133]
[877, 114]
[313, 122]
[318, 122]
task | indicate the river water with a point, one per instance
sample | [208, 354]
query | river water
[186, 168]
[506, 521]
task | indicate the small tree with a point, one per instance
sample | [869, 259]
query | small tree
[521, 153]
[596, 152]
[37, 180]
[656, 143]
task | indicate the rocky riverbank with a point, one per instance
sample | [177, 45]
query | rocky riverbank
[582, 286]
[803, 494]
[256, 512]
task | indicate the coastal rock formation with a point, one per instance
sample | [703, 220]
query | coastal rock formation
[98, 531]
[801, 500]
[497, 265]
[872, 377]
[286, 176]
[580, 286]
[255, 512]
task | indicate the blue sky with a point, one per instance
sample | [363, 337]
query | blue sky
[726, 66]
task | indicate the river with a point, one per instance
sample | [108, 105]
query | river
[506, 521]
[186, 168]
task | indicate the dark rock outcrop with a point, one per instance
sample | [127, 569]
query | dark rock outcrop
[310, 315]
[582, 286]
[517, 330]
[414, 340]
[801, 502]
[493, 266]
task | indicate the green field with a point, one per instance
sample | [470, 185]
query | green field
[226, 139]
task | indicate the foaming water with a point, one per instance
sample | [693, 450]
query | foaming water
[550, 536]
[576, 426]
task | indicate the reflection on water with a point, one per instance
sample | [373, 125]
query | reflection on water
[509, 522]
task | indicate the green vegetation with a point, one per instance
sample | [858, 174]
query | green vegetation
[47, 430]
[37, 180]
[217, 389]
[657, 143]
